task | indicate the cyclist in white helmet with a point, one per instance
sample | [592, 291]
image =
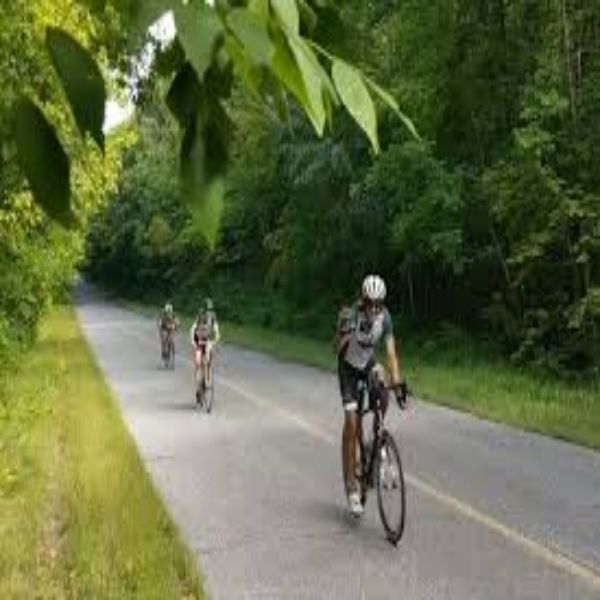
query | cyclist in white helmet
[204, 336]
[361, 329]
[168, 324]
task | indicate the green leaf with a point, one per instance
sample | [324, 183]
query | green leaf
[203, 163]
[246, 70]
[198, 29]
[207, 211]
[252, 32]
[184, 95]
[286, 69]
[356, 98]
[391, 102]
[307, 15]
[298, 69]
[43, 161]
[202, 186]
[313, 84]
[287, 13]
[260, 8]
[82, 81]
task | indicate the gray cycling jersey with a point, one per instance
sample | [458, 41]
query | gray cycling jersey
[204, 329]
[366, 333]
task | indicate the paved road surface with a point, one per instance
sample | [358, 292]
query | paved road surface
[256, 488]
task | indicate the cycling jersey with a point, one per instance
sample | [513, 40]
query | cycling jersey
[167, 321]
[365, 333]
[205, 329]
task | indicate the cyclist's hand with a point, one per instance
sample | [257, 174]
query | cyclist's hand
[401, 390]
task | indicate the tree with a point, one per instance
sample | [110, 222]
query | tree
[264, 44]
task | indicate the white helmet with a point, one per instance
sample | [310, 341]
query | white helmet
[168, 308]
[373, 288]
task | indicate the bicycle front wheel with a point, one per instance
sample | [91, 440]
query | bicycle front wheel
[391, 491]
[209, 397]
[172, 354]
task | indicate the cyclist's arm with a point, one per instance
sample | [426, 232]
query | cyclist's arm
[392, 359]
[192, 330]
[390, 348]
[217, 333]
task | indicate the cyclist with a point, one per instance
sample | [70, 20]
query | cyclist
[167, 325]
[204, 335]
[361, 329]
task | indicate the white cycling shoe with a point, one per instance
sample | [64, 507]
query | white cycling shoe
[355, 505]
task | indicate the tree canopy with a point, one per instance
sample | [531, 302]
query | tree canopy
[489, 224]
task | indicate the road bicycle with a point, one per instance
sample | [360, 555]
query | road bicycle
[378, 459]
[204, 379]
[168, 348]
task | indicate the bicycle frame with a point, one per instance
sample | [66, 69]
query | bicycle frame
[368, 462]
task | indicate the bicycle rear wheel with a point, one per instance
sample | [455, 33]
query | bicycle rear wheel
[199, 389]
[209, 392]
[391, 491]
[172, 353]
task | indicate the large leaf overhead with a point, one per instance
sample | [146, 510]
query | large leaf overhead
[287, 12]
[43, 161]
[201, 183]
[286, 69]
[313, 84]
[393, 104]
[82, 81]
[356, 98]
[184, 96]
[198, 29]
[251, 30]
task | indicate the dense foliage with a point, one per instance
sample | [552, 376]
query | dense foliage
[37, 258]
[55, 59]
[492, 223]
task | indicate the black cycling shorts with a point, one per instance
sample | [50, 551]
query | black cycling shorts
[350, 380]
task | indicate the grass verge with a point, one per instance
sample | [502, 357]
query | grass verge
[460, 377]
[79, 517]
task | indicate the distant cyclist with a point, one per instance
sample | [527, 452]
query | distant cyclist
[167, 326]
[361, 329]
[204, 335]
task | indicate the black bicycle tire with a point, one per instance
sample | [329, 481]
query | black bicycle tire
[209, 396]
[363, 460]
[199, 394]
[393, 534]
[172, 353]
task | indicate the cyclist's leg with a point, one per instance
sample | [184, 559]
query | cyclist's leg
[348, 379]
[208, 363]
[197, 358]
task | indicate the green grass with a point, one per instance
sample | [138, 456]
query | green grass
[79, 517]
[458, 374]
